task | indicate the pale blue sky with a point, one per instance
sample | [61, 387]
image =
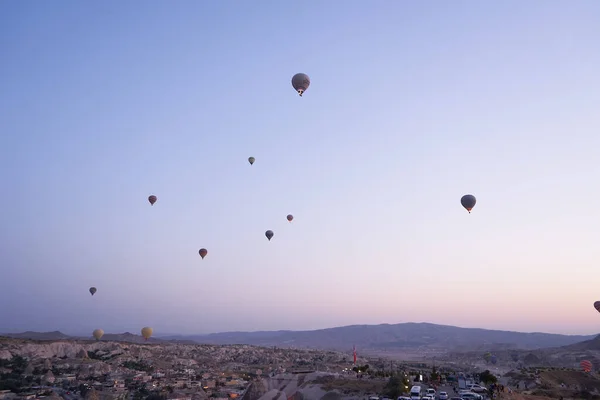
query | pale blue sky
[412, 105]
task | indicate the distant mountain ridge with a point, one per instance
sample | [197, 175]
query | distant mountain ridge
[592, 344]
[114, 337]
[394, 337]
[383, 337]
[54, 335]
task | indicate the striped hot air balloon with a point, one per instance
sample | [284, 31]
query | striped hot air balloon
[586, 365]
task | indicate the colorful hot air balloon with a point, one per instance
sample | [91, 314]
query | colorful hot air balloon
[300, 82]
[146, 332]
[269, 234]
[98, 333]
[93, 290]
[203, 253]
[152, 199]
[586, 365]
[290, 217]
[468, 201]
[251, 160]
[597, 305]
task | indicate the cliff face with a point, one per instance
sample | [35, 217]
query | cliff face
[60, 349]
[256, 390]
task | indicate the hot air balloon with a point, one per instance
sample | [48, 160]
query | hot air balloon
[597, 305]
[494, 359]
[146, 332]
[300, 82]
[98, 333]
[93, 290]
[152, 199]
[203, 253]
[468, 201]
[251, 160]
[290, 217]
[269, 234]
[586, 365]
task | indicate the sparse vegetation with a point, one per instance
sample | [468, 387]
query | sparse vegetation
[14, 380]
[487, 377]
[394, 387]
[138, 366]
[329, 383]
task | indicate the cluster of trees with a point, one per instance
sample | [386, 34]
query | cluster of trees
[14, 380]
[361, 368]
[396, 385]
[487, 377]
[138, 366]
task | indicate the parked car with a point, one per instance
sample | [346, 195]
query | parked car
[477, 388]
[470, 396]
[430, 392]
[443, 396]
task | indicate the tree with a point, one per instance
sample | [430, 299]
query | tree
[394, 387]
[487, 377]
[83, 389]
[363, 368]
[18, 364]
[434, 375]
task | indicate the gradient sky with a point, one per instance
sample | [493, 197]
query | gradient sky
[412, 105]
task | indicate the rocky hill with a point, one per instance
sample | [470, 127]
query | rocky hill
[568, 356]
[123, 369]
[587, 345]
[393, 338]
[117, 337]
[160, 354]
[55, 335]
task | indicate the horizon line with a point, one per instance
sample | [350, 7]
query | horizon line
[162, 335]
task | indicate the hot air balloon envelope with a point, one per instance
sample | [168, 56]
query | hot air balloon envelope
[597, 305]
[251, 160]
[152, 199]
[269, 234]
[93, 290]
[98, 333]
[468, 201]
[203, 253]
[300, 82]
[146, 332]
[586, 365]
[290, 217]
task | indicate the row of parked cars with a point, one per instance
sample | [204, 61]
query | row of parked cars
[472, 392]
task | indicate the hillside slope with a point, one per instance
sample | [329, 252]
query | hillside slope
[393, 337]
